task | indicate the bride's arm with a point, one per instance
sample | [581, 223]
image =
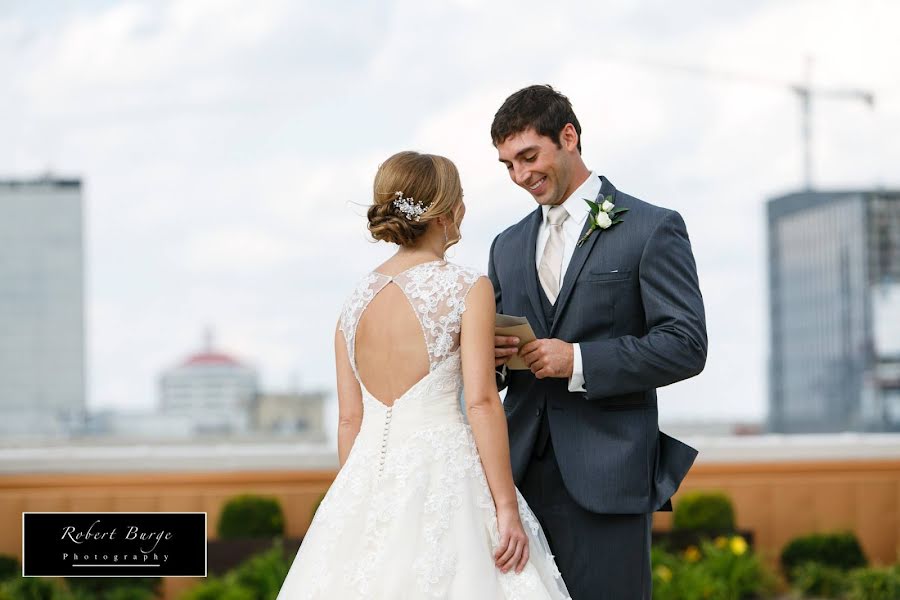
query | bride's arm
[350, 408]
[488, 421]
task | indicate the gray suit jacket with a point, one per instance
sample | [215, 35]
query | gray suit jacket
[631, 298]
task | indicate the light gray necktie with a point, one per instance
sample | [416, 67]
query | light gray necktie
[551, 260]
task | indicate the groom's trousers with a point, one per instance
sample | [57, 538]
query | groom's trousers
[601, 557]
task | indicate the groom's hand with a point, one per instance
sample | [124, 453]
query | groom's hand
[549, 358]
[505, 347]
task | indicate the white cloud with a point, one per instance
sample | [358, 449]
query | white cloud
[235, 249]
[224, 148]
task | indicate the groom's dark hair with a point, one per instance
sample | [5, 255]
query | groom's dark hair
[537, 107]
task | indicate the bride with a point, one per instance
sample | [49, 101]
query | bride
[424, 505]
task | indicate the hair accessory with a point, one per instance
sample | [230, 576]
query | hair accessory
[409, 207]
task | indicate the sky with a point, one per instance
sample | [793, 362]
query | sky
[228, 148]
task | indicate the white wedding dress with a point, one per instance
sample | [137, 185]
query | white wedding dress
[410, 514]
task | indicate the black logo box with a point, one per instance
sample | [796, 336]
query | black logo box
[114, 544]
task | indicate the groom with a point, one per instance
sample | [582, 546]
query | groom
[616, 317]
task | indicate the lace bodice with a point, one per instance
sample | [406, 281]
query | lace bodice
[436, 291]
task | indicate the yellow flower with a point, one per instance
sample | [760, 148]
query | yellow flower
[721, 542]
[692, 554]
[738, 545]
[664, 573]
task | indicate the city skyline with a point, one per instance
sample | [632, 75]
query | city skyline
[227, 156]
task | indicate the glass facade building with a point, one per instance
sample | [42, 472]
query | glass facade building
[834, 305]
[42, 379]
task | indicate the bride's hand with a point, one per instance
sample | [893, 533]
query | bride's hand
[513, 549]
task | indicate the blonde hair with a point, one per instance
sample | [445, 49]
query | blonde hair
[432, 180]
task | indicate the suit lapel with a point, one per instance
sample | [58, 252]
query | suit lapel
[580, 256]
[531, 279]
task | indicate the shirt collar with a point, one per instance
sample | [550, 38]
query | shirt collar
[575, 204]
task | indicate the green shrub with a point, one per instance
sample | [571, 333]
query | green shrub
[822, 581]
[81, 595]
[9, 567]
[251, 516]
[676, 578]
[263, 573]
[690, 582]
[704, 511]
[743, 573]
[258, 578]
[101, 588]
[724, 569]
[218, 588]
[34, 588]
[839, 550]
[875, 584]
[130, 592]
[664, 564]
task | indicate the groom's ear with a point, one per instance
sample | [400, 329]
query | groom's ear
[568, 138]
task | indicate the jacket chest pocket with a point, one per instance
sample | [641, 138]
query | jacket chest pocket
[602, 277]
[599, 293]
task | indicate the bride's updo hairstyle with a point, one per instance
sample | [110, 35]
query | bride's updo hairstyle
[431, 181]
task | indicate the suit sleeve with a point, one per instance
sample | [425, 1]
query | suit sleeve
[501, 373]
[674, 347]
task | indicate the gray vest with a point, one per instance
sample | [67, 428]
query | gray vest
[543, 436]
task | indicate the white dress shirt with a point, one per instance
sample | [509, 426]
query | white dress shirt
[577, 208]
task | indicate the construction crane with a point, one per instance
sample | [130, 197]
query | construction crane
[805, 91]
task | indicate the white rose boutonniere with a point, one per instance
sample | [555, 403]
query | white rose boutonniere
[603, 220]
[603, 215]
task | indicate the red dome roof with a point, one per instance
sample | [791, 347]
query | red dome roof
[210, 358]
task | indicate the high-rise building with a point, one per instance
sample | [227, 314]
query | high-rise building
[834, 305]
[214, 390]
[42, 380]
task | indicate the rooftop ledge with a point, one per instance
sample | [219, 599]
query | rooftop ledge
[236, 456]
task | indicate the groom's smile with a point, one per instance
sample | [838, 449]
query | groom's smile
[534, 188]
[538, 165]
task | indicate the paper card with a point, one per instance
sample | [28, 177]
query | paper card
[515, 326]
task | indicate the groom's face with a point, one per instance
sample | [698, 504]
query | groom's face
[536, 164]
